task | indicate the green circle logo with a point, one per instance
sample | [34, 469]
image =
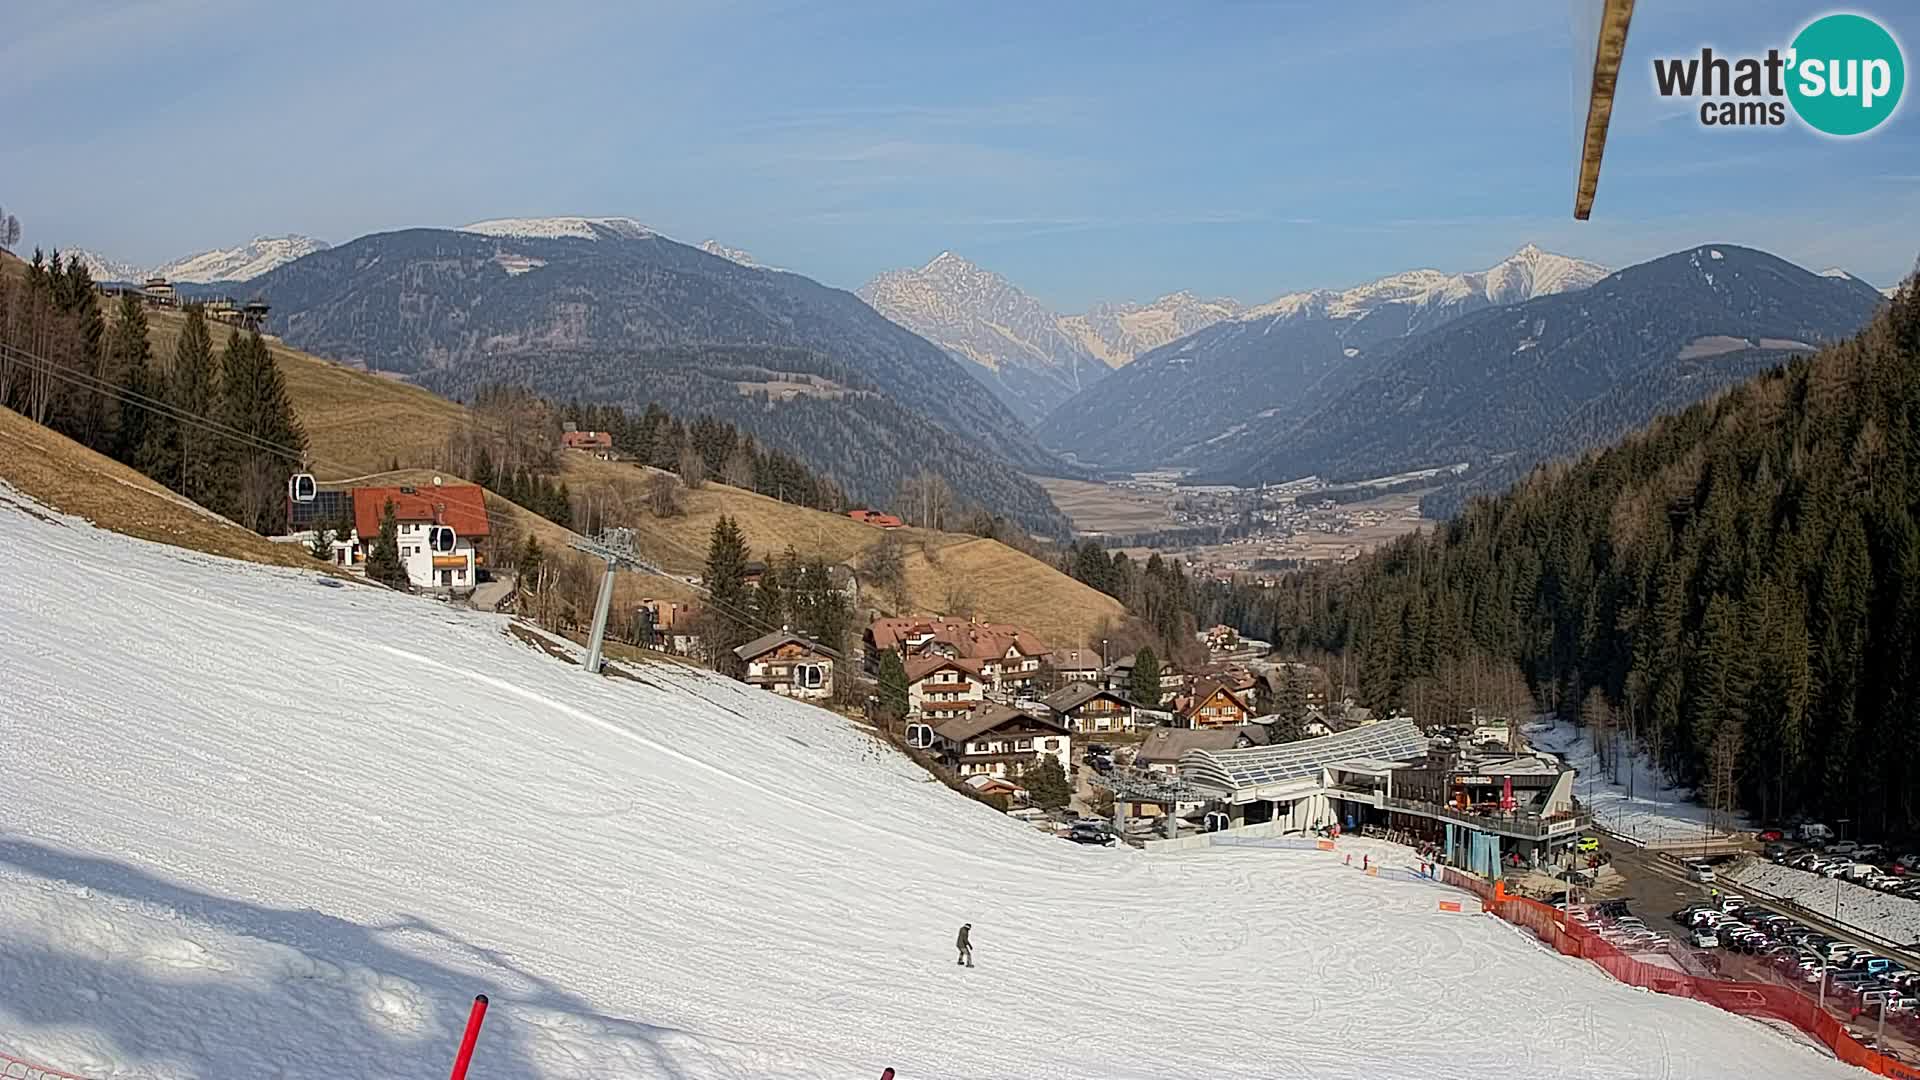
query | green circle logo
[1847, 74]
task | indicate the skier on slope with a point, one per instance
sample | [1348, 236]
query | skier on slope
[966, 947]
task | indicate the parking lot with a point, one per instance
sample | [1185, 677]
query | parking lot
[1707, 928]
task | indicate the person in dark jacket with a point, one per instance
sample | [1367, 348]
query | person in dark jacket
[966, 947]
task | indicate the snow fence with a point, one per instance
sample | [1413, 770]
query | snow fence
[12, 1068]
[1786, 1004]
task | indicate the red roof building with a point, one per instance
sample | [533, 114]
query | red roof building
[876, 519]
[588, 441]
[463, 506]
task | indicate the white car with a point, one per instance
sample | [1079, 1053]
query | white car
[1703, 937]
[1701, 873]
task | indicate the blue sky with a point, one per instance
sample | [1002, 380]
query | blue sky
[1086, 150]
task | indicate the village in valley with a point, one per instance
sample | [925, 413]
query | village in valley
[1083, 741]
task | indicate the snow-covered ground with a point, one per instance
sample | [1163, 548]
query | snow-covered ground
[251, 826]
[1894, 918]
[1654, 812]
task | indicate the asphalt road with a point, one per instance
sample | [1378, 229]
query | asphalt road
[1655, 889]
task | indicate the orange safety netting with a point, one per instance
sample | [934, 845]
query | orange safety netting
[1788, 1004]
[12, 1068]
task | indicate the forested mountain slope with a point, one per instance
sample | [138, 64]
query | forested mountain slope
[1504, 383]
[1738, 585]
[595, 310]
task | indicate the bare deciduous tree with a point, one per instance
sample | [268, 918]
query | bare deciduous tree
[692, 468]
[663, 496]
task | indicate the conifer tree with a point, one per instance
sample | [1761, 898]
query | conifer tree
[254, 402]
[1046, 783]
[1144, 684]
[193, 391]
[132, 363]
[893, 686]
[727, 627]
[528, 566]
[384, 564]
[769, 599]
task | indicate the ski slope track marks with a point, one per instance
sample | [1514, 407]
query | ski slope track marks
[251, 827]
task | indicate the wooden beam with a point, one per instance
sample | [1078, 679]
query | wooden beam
[1606, 75]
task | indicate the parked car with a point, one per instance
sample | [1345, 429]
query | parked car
[1703, 937]
[1700, 872]
[1843, 847]
[1587, 844]
[1091, 832]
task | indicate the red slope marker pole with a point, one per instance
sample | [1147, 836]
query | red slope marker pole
[474, 1018]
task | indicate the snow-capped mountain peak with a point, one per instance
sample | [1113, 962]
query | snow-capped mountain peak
[243, 263]
[1527, 273]
[554, 228]
[103, 268]
[731, 254]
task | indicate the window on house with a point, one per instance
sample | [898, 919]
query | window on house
[1023, 744]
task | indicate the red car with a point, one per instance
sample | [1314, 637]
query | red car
[1768, 836]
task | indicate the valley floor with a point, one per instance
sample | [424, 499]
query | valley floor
[256, 826]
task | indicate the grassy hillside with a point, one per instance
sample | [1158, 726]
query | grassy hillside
[61, 473]
[358, 423]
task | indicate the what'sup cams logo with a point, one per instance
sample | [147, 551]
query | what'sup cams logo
[1842, 76]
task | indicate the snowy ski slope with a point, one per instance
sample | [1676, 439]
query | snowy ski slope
[252, 827]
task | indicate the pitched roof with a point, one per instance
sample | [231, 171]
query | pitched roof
[1073, 695]
[919, 667]
[1165, 745]
[1204, 691]
[987, 717]
[463, 506]
[972, 640]
[769, 642]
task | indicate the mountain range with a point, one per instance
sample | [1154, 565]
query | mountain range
[1031, 357]
[607, 310]
[1201, 401]
[1508, 387]
[243, 263]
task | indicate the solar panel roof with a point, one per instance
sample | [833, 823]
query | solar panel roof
[1230, 770]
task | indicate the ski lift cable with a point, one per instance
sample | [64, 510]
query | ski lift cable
[100, 386]
[172, 412]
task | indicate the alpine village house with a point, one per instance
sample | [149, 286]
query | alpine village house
[789, 665]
